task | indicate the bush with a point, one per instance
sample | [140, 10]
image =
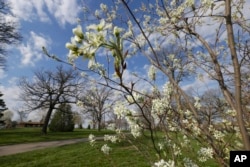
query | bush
[62, 120]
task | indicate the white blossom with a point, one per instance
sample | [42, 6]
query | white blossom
[205, 154]
[231, 113]
[163, 163]
[103, 7]
[152, 73]
[197, 103]
[161, 146]
[111, 126]
[189, 163]
[117, 31]
[78, 33]
[111, 138]
[79, 103]
[218, 135]
[105, 149]
[120, 110]
[92, 139]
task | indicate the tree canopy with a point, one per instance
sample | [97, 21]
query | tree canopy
[50, 88]
[9, 34]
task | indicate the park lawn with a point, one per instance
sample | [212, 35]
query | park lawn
[82, 154]
[28, 135]
[78, 155]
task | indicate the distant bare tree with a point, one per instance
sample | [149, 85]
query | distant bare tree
[50, 89]
[96, 102]
[213, 106]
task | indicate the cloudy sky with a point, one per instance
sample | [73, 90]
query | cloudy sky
[47, 23]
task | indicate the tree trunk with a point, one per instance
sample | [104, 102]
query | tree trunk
[99, 126]
[46, 121]
[237, 77]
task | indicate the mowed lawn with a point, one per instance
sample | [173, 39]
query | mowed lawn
[77, 155]
[81, 154]
[28, 135]
[123, 154]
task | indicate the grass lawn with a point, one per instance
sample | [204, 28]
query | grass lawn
[81, 154]
[27, 135]
[77, 155]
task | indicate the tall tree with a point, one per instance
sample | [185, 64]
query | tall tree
[50, 89]
[96, 102]
[2, 108]
[8, 31]
[62, 120]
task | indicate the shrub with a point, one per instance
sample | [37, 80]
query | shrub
[62, 120]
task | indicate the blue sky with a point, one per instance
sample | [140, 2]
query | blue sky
[46, 23]
[49, 23]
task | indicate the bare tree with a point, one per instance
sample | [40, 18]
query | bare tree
[78, 120]
[213, 107]
[23, 113]
[8, 31]
[49, 89]
[96, 102]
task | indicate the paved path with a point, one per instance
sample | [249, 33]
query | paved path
[19, 148]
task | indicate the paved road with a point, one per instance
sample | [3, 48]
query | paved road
[19, 148]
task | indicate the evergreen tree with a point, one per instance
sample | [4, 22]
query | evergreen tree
[62, 120]
[2, 108]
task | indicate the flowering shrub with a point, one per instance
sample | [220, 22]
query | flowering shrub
[171, 110]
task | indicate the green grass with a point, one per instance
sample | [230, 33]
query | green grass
[28, 135]
[82, 154]
[77, 155]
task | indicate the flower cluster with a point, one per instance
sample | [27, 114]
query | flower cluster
[111, 138]
[134, 98]
[97, 36]
[122, 112]
[205, 154]
[152, 73]
[111, 126]
[162, 105]
[218, 135]
[159, 107]
[92, 139]
[231, 113]
[79, 103]
[106, 149]
[163, 163]
[189, 163]
[197, 103]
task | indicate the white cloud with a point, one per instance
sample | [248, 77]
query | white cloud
[200, 84]
[32, 51]
[10, 97]
[64, 11]
[2, 74]
[22, 9]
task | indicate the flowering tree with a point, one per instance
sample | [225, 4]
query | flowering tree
[96, 102]
[149, 30]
